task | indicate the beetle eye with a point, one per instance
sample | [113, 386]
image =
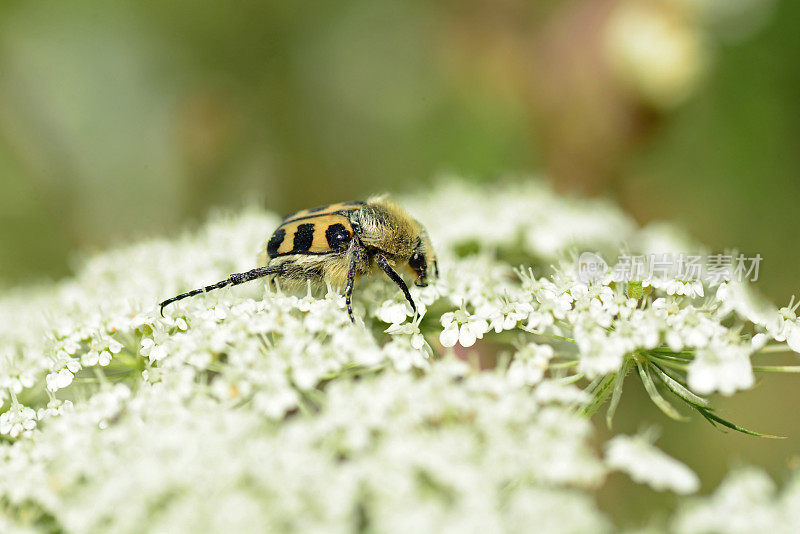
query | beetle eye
[417, 262]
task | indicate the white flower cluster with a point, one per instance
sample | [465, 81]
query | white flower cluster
[644, 463]
[253, 409]
[746, 501]
[392, 453]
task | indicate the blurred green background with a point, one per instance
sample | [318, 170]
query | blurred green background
[120, 120]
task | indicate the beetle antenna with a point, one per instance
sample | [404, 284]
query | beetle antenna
[232, 280]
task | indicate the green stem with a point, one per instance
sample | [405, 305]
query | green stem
[99, 375]
[775, 347]
[776, 368]
[666, 362]
[14, 401]
[552, 336]
[673, 353]
[667, 357]
[563, 365]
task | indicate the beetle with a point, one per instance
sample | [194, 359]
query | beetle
[339, 243]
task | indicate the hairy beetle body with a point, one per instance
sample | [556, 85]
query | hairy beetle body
[340, 243]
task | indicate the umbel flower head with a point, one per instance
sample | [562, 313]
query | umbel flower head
[253, 408]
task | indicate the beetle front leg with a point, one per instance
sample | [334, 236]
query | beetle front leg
[348, 291]
[397, 279]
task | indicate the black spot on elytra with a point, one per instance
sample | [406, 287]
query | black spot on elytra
[303, 238]
[275, 242]
[337, 236]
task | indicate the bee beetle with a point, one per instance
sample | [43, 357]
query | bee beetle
[339, 243]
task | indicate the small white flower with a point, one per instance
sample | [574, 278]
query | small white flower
[17, 420]
[721, 367]
[529, 364]
[463, 328]
[156, 353]
[104, 358]
[54, 407]
[90, 358]
[506, 314]
[690, 288]
[17, 382]
[59, 380]
[221, 312]
[786, 327]
[691, 328]
[394, 312]
[429, 294]
[147, 345]
[410, 329]
[404, 356]
[599, 353]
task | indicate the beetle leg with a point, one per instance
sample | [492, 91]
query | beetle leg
[348, 292]
[357, 255]
[384, 264]
[232, 280]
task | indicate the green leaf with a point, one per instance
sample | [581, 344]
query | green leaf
[571, 379]
[617, 394]
[679, 389]
[702, 405]
[600, 389]
[714, 419]
[656, 397]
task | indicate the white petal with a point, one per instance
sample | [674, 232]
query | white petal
[449, 335]
[393, 313]
[793, 337]
[759, 341]
[466, 336]
[478, 326]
